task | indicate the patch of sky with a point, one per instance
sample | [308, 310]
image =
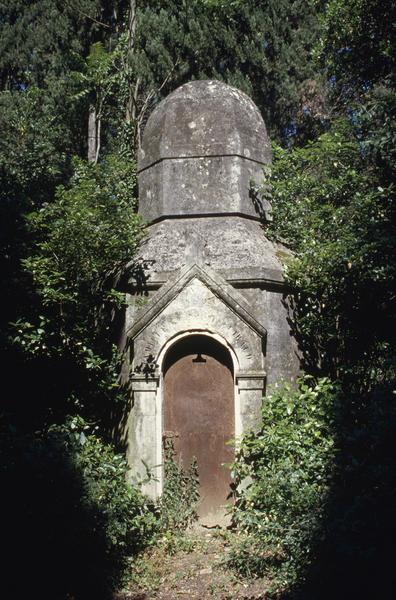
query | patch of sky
[290, 130]
[345, 50]
[367, 85]
[353, 115]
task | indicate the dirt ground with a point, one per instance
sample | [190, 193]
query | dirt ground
[190, 568]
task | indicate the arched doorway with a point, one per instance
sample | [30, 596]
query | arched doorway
[199, 413]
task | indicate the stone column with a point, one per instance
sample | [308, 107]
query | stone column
[144, 434]
[250, 390]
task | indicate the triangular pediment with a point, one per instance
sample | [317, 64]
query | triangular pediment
[209, 278]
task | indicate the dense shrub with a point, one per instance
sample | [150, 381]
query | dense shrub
[335, 213]
[71, 522]
[65, 340]
[130, 519]
[284, 472]
[333, 206]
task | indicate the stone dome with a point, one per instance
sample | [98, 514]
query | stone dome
[201, 148]
[205, 118]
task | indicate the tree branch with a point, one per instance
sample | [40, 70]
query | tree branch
[81, 12]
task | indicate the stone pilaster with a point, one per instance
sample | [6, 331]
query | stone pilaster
[250, 390]
[144, 434]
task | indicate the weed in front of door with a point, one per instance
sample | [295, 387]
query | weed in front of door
[180, 495]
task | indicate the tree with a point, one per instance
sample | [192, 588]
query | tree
[331, 210]
[83, 237]
[357, 49]
[357, 43]
[333, 205]
[263, 50]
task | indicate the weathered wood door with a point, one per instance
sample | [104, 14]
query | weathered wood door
[199, 414]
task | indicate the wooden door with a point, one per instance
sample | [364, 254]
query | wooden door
[199, 414]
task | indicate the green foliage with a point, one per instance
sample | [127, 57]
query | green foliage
[68, 505]
[42, 122]
[32, 146]
[180, 494]
[358, 41]
[41, 38]
[357, 49]
[34, 149]
[284, 471]
[376, 119]
[95, 80]
[333, 205]
[87, 233]
[83, 239]
[263, 50]
[330, 208]
[130, 519]
[41, 43]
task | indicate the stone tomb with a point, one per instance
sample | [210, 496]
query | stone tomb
[207, 322]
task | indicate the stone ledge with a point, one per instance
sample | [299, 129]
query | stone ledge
[250, 380]
[143, 383]
[250, 277]
[208, 154]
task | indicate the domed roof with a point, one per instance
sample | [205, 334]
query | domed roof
[205, 118]
[202, 147]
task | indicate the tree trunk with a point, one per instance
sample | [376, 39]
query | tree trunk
[92, 135]
[130, 114]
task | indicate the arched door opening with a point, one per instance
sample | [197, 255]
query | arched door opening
[199, 414]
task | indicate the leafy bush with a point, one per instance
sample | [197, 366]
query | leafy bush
[82, 241]
[336, 214]
[68, 507]
[333, 205]
[130, 519]
[284, 472]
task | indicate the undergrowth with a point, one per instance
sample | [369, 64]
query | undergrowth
[69, 507]
[180, 495]
[284, 471]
